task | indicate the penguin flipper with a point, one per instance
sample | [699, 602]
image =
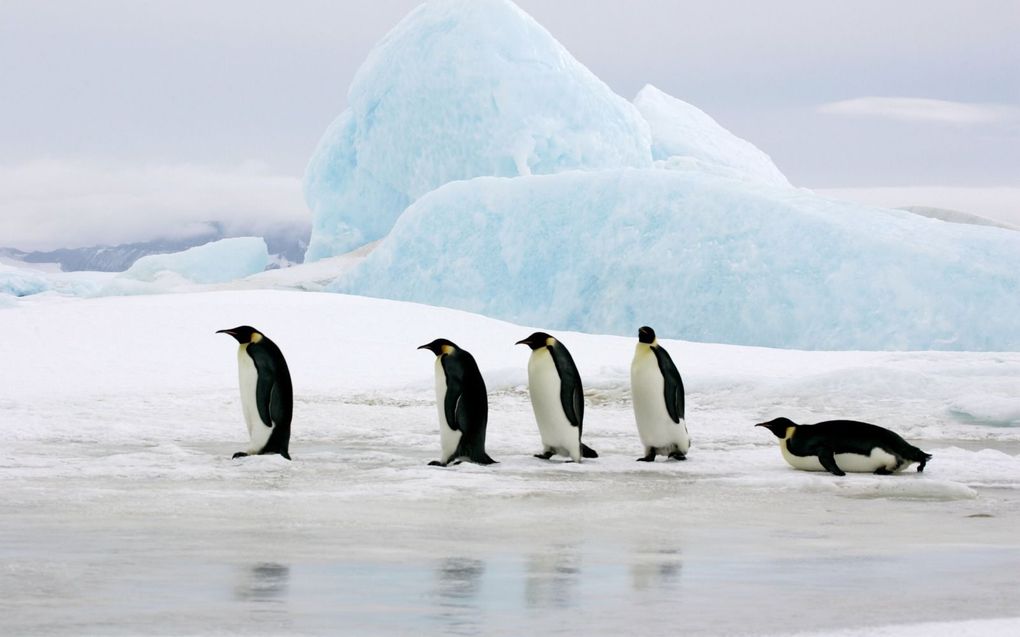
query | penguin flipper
[673, 385]
[828, 462]
[571, 391]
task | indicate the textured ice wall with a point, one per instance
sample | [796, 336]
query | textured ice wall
[215, 262]
[460, 89]
[680, 130]
[703, 258]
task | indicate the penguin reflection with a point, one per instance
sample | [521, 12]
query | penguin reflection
[458, 581]
[263, 582]
[659, 569]
[552, 579]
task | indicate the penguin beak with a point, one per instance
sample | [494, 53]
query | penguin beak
[231, 332]
[523, 342]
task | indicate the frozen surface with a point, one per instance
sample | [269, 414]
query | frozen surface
[215, 262]
[682, 132]
[700, 258]
[123, 513]
[460, 89]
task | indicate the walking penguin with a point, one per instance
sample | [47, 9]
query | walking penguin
[556, 397]
[463, 405]
[267, 398]
[658, 396]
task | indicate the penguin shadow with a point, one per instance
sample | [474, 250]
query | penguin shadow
[263, 583]
[653, 570]
[552, 579]
[458, 581]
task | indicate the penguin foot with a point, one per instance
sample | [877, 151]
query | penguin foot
[436, 463]
[678, 455]
[882, 471]
[648, 457]
[544, 456]
[241, 454]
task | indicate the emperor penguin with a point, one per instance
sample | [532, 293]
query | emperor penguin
[463, 405]
[838, 446]
[658, 396]
[556, 397]
[267, 398]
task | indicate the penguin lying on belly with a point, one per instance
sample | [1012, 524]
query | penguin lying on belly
[838, 446]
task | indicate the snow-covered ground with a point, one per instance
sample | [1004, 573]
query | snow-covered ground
[124, 514]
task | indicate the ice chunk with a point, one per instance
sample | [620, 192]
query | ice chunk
[460, 89]
[680, 130]
[21, 282]
[700, 257]
[215, 262]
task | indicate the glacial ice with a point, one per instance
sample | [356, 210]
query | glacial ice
[215, 262]
[700, 257]
[684, 133]
[21, 282]
[460, 89]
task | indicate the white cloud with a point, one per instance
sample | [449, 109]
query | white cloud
[53, 204]
[923, 110]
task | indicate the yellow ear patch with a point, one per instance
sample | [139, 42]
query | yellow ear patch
[255, 337]
[550, 341]
[447, 349]
[789, 433]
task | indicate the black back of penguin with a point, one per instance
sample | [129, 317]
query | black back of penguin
[852, 436]
[274, 393]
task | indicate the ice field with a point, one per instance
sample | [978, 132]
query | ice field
[124, 513]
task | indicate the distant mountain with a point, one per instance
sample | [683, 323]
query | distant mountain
[955, 216]
[287, 244]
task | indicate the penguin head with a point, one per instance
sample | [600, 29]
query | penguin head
[537, 340]
[244, 334]
[779, 426]
[646, 335]
[439, 346]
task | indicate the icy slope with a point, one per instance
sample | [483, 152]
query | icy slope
[683, 134]
[460, 89]
[702, 258]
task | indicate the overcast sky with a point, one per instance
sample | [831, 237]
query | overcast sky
[864, 94]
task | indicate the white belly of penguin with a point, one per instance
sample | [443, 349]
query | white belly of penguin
[248, 378]
[544, 386]
[655, 427]
[848, 462]
[449, 438]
